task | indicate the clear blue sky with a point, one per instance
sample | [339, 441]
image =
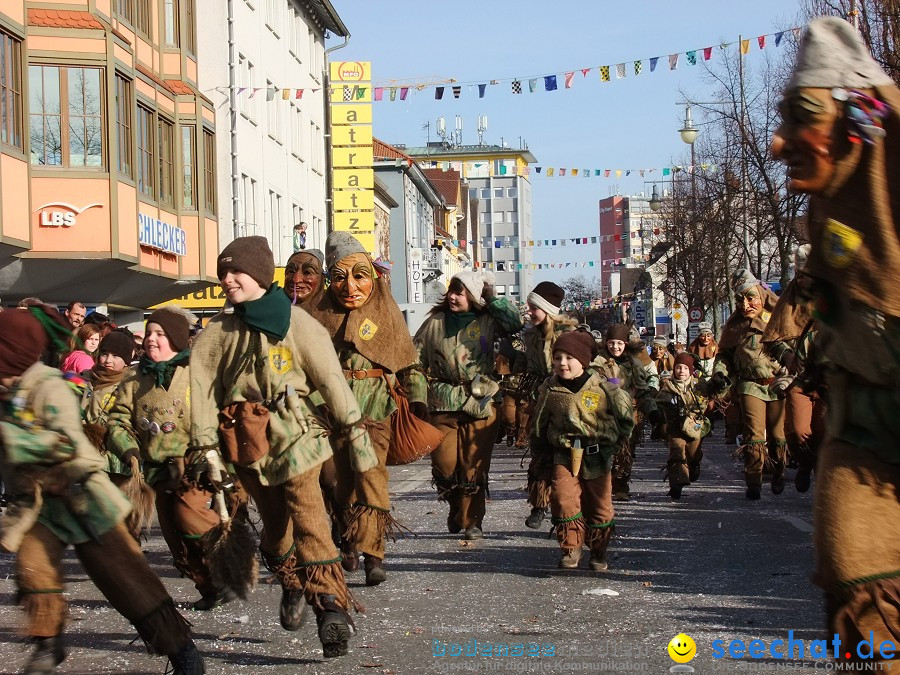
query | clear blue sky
[627, 123]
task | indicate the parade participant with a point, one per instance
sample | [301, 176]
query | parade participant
[99, 396]
[626, 369]
[743, 366]
[456, 348]
[82, 349]
[704, 350]
[60, 495]
[661, 357]
[580, 420]
[684, 406]
[377, 355]
[791, 332]
[839, 138]
[255, 365]
[303, 275]
[150, 419]
[546, 324]
[513, 413]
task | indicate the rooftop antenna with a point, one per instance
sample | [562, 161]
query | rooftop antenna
[458, 132]
[442, 129]
[427, 129]
[482, 127]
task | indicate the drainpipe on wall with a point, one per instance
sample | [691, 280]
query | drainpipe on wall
[232, 120]
[329, 224]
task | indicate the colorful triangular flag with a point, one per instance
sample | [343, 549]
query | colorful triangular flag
[550, 82]
[691, 57]
[653, 62]
[439, 93]
[638, 67]
[707, 53]
[516, 87]
[620, 70]
[673, 61]
[604, 73]
[762, 41]
[481, 88]
[745, 46]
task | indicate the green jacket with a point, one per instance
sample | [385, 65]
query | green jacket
[691, 399]
[599, 413]
[230, 362]
[748, 361]
[96, 405]
[629, 374]
[142, 407]
[451, 363]
[372, 393]
[52, 471]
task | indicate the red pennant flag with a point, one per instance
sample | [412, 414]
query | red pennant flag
[707, 53]
[762, 41]
[606, 173]
[299, 94]
[585, 71]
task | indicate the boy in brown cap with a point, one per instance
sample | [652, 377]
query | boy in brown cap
[580, 419]
[841, 141]
[62, 496]
[254, 367]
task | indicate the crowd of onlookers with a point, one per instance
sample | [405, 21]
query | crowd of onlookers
[88, 330]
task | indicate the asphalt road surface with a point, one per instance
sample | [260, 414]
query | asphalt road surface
[713, 566]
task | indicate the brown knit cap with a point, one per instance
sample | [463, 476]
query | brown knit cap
[685, 358]
[175, 325]
[119, 344]
[618, 332]
[250, 255]
[579, 344]
[22, 341]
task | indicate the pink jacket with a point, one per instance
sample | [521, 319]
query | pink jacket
[77, 362]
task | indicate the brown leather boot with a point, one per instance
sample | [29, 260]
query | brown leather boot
[349, 557]
[374, 567]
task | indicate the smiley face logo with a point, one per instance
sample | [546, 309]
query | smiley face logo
[682, 648]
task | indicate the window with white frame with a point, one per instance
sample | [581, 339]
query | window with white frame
[315, 67]
[498, 192]
[246, 74]
[486, 218]
[498, 216]
[273, 8]
[273, 116]
[485, 193]
[297, 129]
[317, 149]
[512, 192]
[275, 213]
[296, 214]
[248, 204]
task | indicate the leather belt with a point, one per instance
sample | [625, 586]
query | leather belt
[363, 374]
[762, 381]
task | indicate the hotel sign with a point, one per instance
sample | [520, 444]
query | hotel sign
[156, 234]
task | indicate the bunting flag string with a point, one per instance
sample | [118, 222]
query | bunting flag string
[514, 241]
[551, 172]
[551, 82]
[511, 265]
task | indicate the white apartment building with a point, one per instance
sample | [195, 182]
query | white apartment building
[278, 177]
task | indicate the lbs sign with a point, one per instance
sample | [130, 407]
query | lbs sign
[60, 214]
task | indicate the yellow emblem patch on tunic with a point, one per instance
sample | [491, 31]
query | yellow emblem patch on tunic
[107, 401]
[590, 401]
[280, 360]
[765, 316]
[473, 332]
[368, 329]
[187, 398]
[841, 243]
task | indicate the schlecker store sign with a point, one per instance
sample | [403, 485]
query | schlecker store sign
[161, 236]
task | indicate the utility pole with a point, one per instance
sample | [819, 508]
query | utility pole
[854, 15]
[743, 121]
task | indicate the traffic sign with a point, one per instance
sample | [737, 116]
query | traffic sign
[695, 314]
[677, 315]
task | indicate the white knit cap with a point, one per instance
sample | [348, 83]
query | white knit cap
[800, 257]
[474, 281]
[832, 54]
[661, 340]
[704, 327]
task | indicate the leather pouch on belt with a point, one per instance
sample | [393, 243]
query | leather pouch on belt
[243, 428]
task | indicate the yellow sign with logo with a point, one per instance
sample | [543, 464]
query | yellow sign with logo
[345, 179]
[346, 200]
[351, 135]
[352, 157]
[350, 71]
[354, 221]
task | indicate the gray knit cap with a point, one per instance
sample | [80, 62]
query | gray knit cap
[314, 252]
[339, 245]
[742, 281]
[832, 54]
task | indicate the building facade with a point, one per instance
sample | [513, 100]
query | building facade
[107, 153]
[498, 180]
[630, 234]
[272, 171]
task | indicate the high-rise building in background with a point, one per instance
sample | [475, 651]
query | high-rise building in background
[278, 178]
[499, 185]
[629, 260]
[107, 153]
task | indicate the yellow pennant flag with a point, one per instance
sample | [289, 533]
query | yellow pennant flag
[285, 94]
[618, 173]
[549, 172]
[574, 172]
[745, 46]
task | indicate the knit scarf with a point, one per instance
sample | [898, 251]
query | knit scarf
[103, 378]
[456, 321]
[270, 314]
[576, 383]
[163, 371]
